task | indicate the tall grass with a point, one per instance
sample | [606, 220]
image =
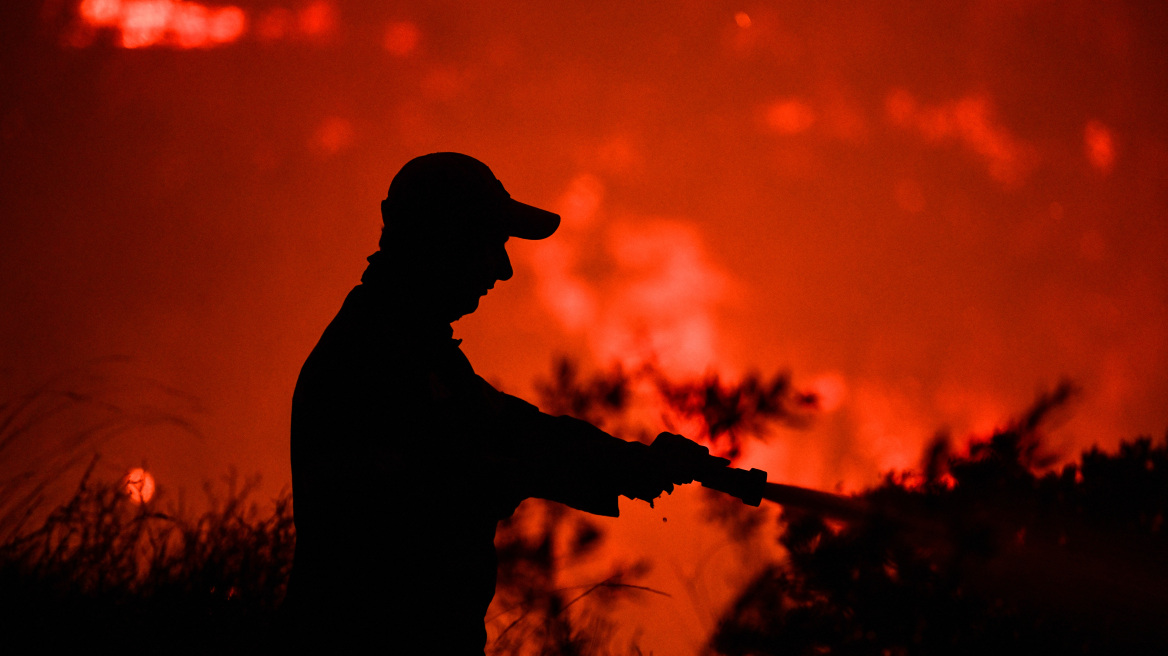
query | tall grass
[102, 570]
[979, 553]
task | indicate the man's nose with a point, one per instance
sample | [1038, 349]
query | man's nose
[503, 270]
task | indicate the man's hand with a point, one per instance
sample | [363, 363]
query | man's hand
[670, 460]
[683, 460]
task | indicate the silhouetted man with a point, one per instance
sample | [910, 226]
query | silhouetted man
[403, 459]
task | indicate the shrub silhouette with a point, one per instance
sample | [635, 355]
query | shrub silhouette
[532, 614]
[978, 553]
[102, 570]
[998, 558]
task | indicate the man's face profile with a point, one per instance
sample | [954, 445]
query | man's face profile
[452, 268]
[447, 220]
[482, 262]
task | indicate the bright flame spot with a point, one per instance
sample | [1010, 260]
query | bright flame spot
[145, 23]
[190, 26]
[889, 429]
[333, 135]
[401, 38]
[970, 122]
[743, 19]
[138, 485]
[651, 295]
[318, 19]
[1100, 146]
[663, 307]
[790, 116]
[226, 25]
[100, 12]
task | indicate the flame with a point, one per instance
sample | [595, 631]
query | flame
[1099, 146]
[138, 485]
[790, 116]
[333, 135]
[174, 23]
[640, 289]
[969, 121]
[318, 20]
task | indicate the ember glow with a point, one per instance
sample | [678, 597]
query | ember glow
[139, 485]
[173, 23]
[967, 121]
[659, 303]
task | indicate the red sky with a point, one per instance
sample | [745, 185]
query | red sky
[931, 210]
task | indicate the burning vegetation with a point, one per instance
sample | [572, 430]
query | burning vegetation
[978, 552]
[991, 552]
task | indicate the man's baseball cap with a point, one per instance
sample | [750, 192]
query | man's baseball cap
[454, 187]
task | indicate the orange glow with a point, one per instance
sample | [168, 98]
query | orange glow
[226, 25]
[1100, 146]
[969, 121]
[790, 116]
[100, 12]
[659, 304]
[146, 23]
[830, 390]
[926, 214]
[139, 485]
[401, 38]
[333, 135]
[318, 20]
[190, 26]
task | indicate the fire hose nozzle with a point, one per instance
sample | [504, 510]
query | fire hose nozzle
[747, 485]
[712, 472]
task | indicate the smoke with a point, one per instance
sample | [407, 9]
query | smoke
[969, 121]
[640, 290]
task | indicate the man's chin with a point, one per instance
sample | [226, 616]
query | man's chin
[466, 307]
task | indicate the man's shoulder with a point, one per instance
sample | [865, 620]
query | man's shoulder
[371, 339]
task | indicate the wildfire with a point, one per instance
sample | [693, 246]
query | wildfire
[138, 485]
[969, 121]
[174, 23]
[1099, 146]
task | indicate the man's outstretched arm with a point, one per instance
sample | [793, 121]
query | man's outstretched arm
[569, 460]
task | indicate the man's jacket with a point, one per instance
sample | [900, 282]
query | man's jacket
[403, 462]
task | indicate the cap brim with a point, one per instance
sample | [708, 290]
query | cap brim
[528, 222]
